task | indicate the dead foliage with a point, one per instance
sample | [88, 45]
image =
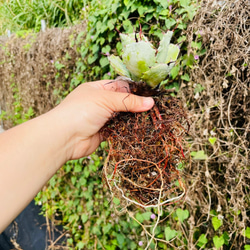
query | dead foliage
[220, 183]
[27, 69]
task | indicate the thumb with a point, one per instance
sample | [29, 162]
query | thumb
[132, 103]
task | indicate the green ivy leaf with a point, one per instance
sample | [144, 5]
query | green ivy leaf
[92, 59]
[164, 3]
[169, 22]
[73, 180]
[212, 140]
[198, 88]
[104, 61]
[96, 230]
[217, 223]
[182, 214]
[84, 218]
[116, 201]
[226, 238]
[196, 45]
[120, 239]
[184, 3]
[202, 241]
[247, 247]
[199, 155]
[146, 215]
[80, 245]
[185, 77]
[247, 232]
[175, 71]
[139, 217]
[106, 228]
[77, 168]
[169, 233]
[59, 66]
[218, 241]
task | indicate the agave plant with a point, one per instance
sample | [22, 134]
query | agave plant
[145, 148]
[142, 62]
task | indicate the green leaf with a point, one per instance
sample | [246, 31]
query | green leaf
[73, 180]
[139, 217]
[118, 66]
[157, 74]
[84, 218]
[92, 59]
[58, 65]
[80, 245]
[169, 233]
[196, 45]
[218, 241]
[247, 247]
[185, 77]
[86, 172]
[164, 12]
[141, 10]
[164, 47]
[77, 168]
[164, 3]
[212, 140]
[226, 238]
[169, 22]
[120, 239]
[247, 232]
[146, 215]
[116, 201]
[173, 53]
[104, 61]
[182, 214]
[184, 3]
[128, 27]
[106, 228]
[202, 241]
[199, 155]
[198, 88]
[138, 57]
[175, 71]
[217, 223]
[96, 230]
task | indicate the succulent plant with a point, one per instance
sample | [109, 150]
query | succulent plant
[142, 62]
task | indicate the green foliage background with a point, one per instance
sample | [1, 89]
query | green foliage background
[76, 196]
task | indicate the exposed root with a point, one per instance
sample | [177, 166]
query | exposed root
[145, 150]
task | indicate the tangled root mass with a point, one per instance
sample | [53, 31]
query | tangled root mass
[145, 150]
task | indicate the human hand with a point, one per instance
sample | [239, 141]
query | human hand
[89, 107]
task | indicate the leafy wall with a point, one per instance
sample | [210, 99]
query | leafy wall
[213, 77]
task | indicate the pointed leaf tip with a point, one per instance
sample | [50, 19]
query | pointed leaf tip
[164, 46]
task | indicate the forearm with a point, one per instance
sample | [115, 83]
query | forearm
[29, 156]
[32, 152]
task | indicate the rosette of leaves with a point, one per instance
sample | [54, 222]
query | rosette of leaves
[142, 62]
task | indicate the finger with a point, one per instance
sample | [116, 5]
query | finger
[129, 102]
[112, 85]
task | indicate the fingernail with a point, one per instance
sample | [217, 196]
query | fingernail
[148, 102]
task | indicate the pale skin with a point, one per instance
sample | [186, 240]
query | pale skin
[31, 153]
